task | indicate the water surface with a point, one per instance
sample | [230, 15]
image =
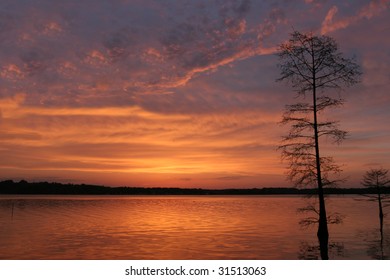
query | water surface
[181, 227]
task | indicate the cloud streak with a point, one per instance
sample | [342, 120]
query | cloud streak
[130, 140]
[370, 10]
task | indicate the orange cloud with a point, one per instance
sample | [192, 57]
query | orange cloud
[133, 141]
[95, 57]
[11, 72]
[52, 28]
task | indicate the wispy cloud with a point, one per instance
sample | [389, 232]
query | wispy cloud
[131, 140]
[112, 49]
[373, 8]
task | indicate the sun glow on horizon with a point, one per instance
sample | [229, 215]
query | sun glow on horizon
[130, 140]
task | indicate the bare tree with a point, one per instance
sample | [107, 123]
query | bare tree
[313, 65]
[378, 180]
[313, 218]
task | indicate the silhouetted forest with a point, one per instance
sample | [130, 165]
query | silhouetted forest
[24, 187]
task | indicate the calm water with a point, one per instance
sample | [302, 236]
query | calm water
[181, 227]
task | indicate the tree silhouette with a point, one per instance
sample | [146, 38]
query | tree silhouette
[378, 180]
[313, 216]
[313, 65]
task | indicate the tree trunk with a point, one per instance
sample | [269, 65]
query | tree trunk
[322, 233]
[381, 215]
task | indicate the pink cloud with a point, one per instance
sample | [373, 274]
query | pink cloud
[367, 12]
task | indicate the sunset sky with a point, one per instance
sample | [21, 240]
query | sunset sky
[176, 93]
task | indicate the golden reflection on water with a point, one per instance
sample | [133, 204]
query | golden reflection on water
[172, 227]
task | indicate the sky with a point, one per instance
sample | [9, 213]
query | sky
[177, 93]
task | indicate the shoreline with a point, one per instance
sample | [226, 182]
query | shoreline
[45, 188]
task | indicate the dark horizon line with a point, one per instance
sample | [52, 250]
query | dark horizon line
[24, 187]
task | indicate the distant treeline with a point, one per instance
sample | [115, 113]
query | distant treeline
[24, 187]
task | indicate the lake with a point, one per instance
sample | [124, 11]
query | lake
[182, 227]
